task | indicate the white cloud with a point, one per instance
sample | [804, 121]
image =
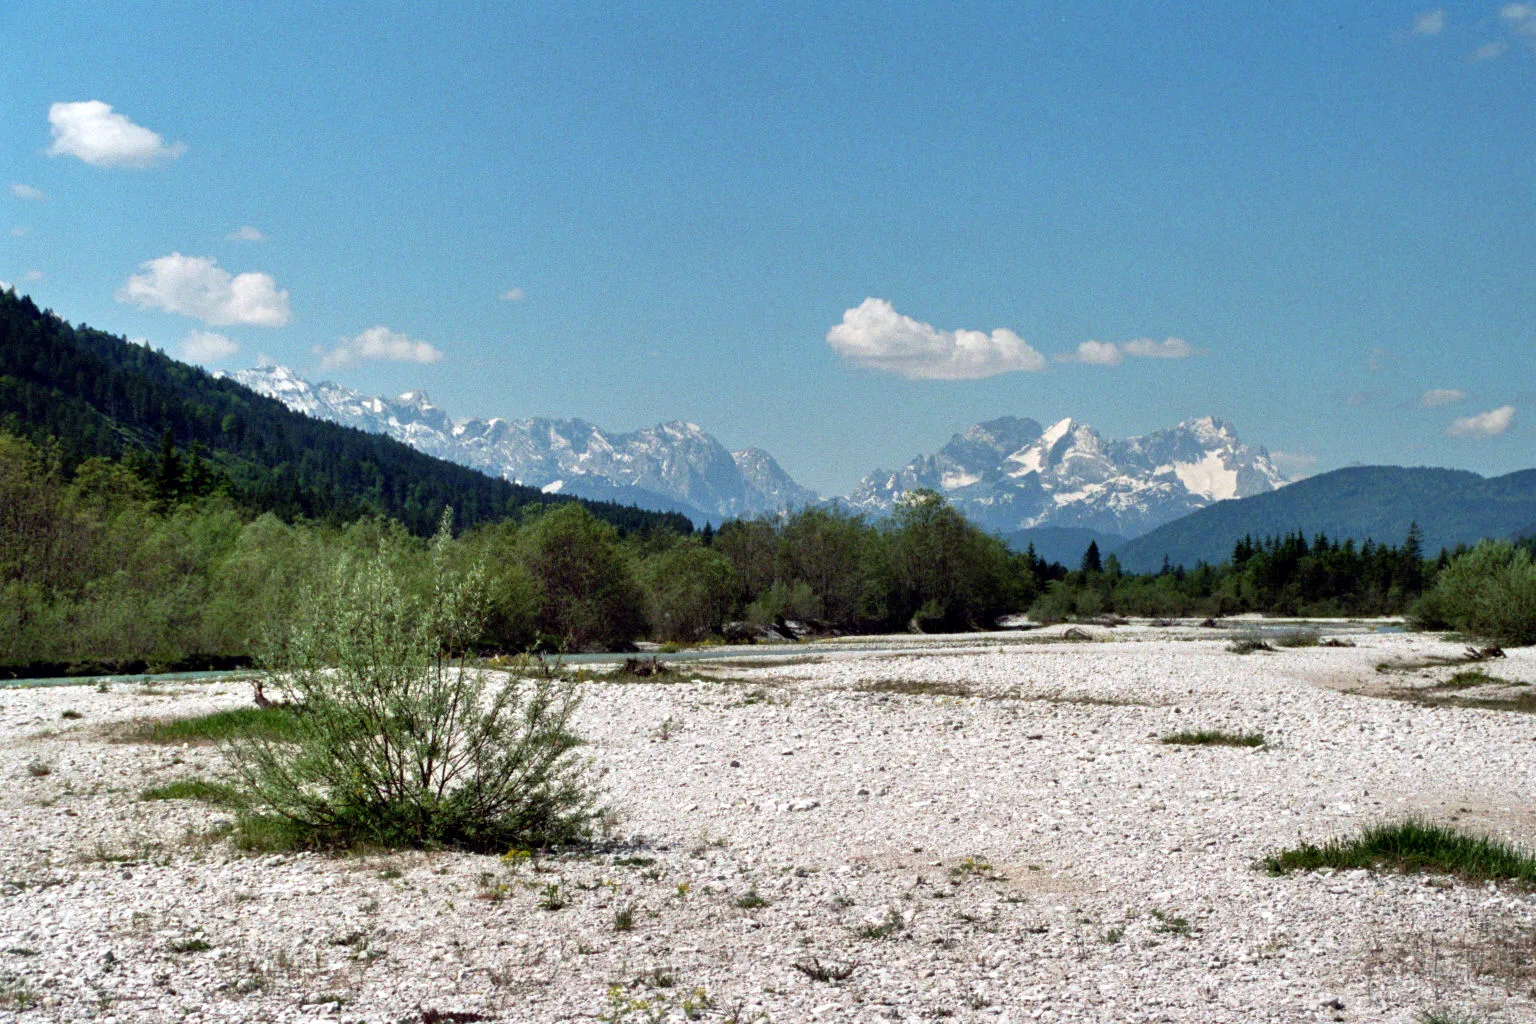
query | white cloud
[32, 276]
[6, 286]
[196, 286]
[1436, 397]
[92, 132]
[246, 233]
[27, 192]
[511, 295]
[875, 336]
[1430, 23]
[1521, 17]
[18, 231]
[1100, 353]
[1294, 465]
[378, 343]
[1109, 353]
[1168, 348]
[206, 347]
[1488, 51]
[1484, 424]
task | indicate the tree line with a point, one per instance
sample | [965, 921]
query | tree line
[1287, 575]
[149, 559]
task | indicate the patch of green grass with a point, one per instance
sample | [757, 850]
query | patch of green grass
[831, 971]
[887, 926]
[624, 918]
[195, 945]
[1445, 1017]
[633, 862]
[274, 723]
[1414, 845]
[1171, 924]
[70, 715]
[552, 898]
[1248, 645]
[751, 900]
[1296, 638]
[269, 833]
[915, 688]
[1214, 738]
[195, 789]
[1467, 678]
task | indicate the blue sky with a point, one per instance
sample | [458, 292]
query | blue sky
[839, 233]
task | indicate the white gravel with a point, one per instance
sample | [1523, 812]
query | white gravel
[1034, 850]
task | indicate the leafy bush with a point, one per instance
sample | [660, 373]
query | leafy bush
[688, 591]
[1487, 592]
[586, 590]
[397, 742]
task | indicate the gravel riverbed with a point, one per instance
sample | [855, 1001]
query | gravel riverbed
[984, 829]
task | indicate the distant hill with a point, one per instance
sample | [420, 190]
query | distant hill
[98, 394]
[1378, 502]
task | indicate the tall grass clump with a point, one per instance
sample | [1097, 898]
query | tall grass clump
[1414, 845]
[1487, 592]
[396, 741]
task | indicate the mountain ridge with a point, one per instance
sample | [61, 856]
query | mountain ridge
[675, 463]
[1450, 506]
[1011, 474]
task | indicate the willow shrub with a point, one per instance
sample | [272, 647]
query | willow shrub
[398, 742]
[1488, 592]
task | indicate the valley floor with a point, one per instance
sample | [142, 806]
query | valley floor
[985, 828]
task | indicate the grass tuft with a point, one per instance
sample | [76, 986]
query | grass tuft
[1248, 645]
[816, 970]
[275, 723]
[195, 789]
[1414, 845]
[1215, 738]
[751, 900]
[197, 945]
[915, 688]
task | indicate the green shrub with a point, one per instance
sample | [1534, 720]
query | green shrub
[1488, 592]
[396, 741]
[688, 591]
[587, 596]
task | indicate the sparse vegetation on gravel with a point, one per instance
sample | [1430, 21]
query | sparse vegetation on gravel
[194, 789]
[1414, 845]
[1214, 738]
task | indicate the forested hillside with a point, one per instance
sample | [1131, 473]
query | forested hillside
[1450, 506]
[96, 394]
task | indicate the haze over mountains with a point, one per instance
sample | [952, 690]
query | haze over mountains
[1008, 475]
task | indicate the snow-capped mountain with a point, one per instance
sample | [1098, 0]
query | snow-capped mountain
[1010, 474]
[673, 466]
